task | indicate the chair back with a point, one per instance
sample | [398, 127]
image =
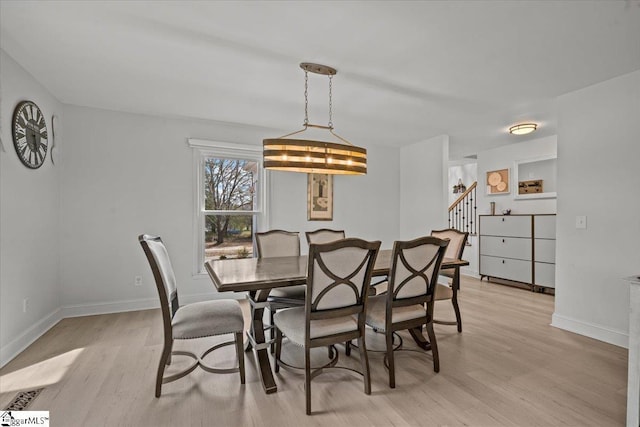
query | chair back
[414, 270]
[457, 241]
[338, 278]
[278, 243]
[324, 235]
[160, 263]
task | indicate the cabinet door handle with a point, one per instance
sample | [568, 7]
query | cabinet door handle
[503, 261]
[502, 240]
[502, 219]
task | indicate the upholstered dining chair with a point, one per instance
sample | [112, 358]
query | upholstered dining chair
[457, 243]
[408, 302]
[280, 243]
[324, 235]
[197, 320]
[338, 277]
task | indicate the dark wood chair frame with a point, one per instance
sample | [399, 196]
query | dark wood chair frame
[455, 286]
[426, 299]
[313, 313]
[277, 303]
[169, 305]
[270, 232]
[340, 234]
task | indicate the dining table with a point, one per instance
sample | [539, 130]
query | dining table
[257, 276]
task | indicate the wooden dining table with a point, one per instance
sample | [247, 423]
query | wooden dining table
[257, 276]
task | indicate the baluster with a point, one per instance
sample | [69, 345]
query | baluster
[475, 211]
[463, 214]
[466, 207]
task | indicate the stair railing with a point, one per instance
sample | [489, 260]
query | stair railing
[463, 212]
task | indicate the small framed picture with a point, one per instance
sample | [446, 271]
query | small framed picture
[498, 182]
[319, 197]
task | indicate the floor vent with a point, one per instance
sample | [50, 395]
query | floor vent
[23, 400]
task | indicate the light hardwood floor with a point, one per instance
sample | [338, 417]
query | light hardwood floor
[507, 368]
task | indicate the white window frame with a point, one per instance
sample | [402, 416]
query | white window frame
[203, 149]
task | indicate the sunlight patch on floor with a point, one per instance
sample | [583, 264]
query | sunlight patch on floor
[40, 374]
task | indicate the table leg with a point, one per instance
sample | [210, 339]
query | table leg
[416, 334]
[260, 347]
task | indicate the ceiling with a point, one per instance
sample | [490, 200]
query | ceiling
[407, 71]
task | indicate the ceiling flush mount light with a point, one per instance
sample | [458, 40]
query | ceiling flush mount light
[311, 156]
[523, 128]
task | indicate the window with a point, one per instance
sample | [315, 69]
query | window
[230, 187]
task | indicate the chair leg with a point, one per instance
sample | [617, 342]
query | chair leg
[240, 354]
[364, 360]
[272, 312]
[169, 358]
[164, 357]
[390, 359]
[347, 348]
[278, 345]
[454, 301]
[434, 346]
[307, 378]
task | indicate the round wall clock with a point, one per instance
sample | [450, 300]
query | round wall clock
[30, 136]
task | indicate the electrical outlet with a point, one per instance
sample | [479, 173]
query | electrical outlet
[581, 222]
[137, 281]
[25, 305]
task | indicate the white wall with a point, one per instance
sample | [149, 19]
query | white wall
[364, 206]
[598, 176]
[501, 158]
[423, 187]
[127, 174]
[505, 157]
[29, 221]
[124, 175]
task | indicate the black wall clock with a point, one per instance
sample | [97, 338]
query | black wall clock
[30, 136]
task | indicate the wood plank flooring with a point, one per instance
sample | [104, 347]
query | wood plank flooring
[507, 368]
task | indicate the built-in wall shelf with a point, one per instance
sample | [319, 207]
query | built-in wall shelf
[535, 178]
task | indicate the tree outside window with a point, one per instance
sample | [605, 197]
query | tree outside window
[230, 205]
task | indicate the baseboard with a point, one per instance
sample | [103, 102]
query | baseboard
[80, 310]
[469, 272]
[25, 339]
[137, 304]
[591, 330]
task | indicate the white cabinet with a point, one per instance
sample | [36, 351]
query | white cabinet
[518, 247]
[506, 268]
[509, 247]
[506, 225]
[544, 250]
[545, 274]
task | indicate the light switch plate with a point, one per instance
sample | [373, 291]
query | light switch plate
[581, 222]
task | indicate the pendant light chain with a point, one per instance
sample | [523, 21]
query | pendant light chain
[306, 98]
[294, 152]
[330, 124]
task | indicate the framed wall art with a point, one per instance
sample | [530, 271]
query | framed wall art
[319, 197]
[498, 182]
